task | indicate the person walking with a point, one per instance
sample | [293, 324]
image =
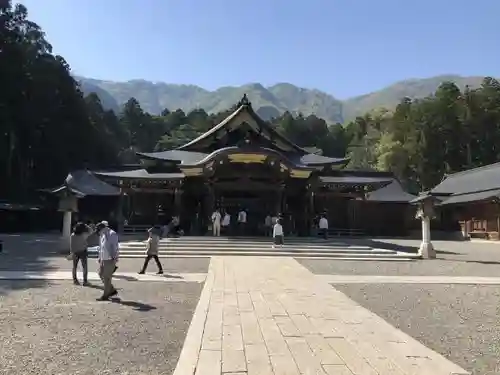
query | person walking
[278, 235]
[216, 219]
[107, 258]
[242, 221]
[152, 249]
[323, 226]
[226, 223]
[79, 251]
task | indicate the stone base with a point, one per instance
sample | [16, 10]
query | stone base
[427, 251]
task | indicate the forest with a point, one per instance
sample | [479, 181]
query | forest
[48, 127]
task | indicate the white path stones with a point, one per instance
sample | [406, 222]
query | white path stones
[93, 276]
[271, 316]
[381, 279]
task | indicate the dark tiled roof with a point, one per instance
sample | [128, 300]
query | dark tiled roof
[141, 174]
[182, 157]
[314, 159]
[84, 183]
[472, 197]
[245, 106]
[355, 180]
[473, 180]
[193, 158]
[391, 193]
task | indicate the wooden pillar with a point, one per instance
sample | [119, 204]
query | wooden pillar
[119, 213]
[208, 207]
[178, 202]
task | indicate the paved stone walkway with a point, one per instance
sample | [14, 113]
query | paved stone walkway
[263, 316]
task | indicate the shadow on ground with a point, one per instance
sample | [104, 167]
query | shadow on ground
[29, 252]
[137, 306]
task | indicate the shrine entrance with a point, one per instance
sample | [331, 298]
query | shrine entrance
[257, 198]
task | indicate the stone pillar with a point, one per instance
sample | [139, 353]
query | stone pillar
[67, 204]
[426, 248]
[66, 230]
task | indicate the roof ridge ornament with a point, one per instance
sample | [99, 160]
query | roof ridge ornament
[244, 101]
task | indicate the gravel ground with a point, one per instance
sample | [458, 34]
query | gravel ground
[454, 259]
[58, 262]
[61, 329]
[39, 252]
[460, 322]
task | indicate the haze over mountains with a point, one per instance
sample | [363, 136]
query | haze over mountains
[268, 101]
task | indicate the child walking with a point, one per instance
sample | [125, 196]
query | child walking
[152, 245]
[278, 234]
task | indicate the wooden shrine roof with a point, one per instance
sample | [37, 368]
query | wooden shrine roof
[83, 183]
[193, 158]
[141, 174]
[244, 106]
[473, 185]
[470, 181]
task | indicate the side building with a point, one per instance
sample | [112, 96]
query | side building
[244, 163]
[470, 202]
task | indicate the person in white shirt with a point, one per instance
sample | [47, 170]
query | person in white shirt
[242, 220]
[323, 226]
[226, 222]
[216, 219]
[278, 234]
[107, 258]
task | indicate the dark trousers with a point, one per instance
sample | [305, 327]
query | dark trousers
[324, 233]
[83, 258]
[157, 261]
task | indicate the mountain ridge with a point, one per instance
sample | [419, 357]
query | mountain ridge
[269, 101]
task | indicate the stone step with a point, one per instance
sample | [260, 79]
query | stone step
[298, 253]
[255, 250]
[296, 249]
[386, 257]
[239, 239]
[229, 246]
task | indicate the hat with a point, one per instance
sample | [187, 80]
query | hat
[100, 226]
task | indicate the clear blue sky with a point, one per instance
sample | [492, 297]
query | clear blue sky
[344, 47]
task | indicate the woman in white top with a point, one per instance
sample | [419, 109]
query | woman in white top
[216, 219]
[323, 226]
[226, 222]
[278, 234]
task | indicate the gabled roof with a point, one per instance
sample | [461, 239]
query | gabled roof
[192, 158]
[487, 195]
[393, 192]
[83, 183]
[470, 181]
[141, 174]
[245, 107]
[189, 154]
[178, 156]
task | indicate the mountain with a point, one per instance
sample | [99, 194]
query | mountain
[390, 96]
[268, 101]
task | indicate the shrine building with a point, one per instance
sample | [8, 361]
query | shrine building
[244, 163]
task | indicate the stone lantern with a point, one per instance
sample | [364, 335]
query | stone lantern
[68, 203]
[425, 212]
